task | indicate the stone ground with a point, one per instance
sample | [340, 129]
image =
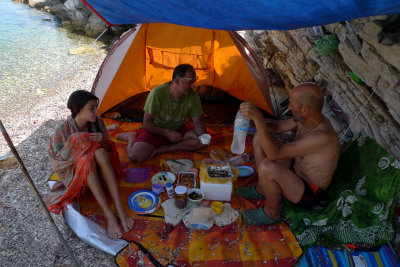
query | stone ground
[26, 235]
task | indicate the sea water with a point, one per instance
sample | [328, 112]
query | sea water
[34, 54]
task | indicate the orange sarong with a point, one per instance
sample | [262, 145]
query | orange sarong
[72, 154]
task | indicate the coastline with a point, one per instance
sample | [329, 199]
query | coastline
[27, 236]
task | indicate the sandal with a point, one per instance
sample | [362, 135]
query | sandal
[249, 193]
[258, 217]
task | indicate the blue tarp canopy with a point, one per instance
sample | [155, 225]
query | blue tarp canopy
[240, 14]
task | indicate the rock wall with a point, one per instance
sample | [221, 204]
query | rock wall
[293, 55]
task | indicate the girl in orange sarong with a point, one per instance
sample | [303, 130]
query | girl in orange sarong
[79, 151]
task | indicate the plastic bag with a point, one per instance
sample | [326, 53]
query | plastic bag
[327, 44]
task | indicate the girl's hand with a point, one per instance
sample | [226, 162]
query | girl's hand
[97, 137]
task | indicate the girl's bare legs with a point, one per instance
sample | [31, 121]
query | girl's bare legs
[107, 170]
[94, 184]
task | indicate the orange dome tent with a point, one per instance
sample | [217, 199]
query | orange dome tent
[145, 57]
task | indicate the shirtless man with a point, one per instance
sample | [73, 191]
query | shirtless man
[302, 170]
[166, 109]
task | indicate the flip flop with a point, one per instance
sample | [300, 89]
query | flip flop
[258, 217]
[249, 193]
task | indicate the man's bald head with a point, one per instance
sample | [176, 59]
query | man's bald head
[310, 95]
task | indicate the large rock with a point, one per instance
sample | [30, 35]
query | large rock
[376, 62]
[95, 25]
[77, 13]
[390, 53]
[357, 64]
[39, 4]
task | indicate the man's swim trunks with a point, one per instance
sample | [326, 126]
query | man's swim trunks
[312, 196]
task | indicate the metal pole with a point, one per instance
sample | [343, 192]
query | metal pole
[29, 179]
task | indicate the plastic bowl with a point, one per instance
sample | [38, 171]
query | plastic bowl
[195, 201]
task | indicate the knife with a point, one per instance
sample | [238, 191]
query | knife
[173, 160]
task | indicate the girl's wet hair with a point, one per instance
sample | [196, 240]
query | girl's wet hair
[78, 99]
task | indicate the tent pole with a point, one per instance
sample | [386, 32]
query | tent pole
[29, 179]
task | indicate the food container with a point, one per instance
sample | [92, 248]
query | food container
[180, 196]
[195, 196]
[187, 179]
[136, 175]
[212, 191]
[218, 173]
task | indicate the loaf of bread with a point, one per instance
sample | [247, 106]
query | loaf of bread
[201, 214]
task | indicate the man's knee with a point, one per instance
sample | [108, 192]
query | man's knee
[268, 169]
[136, 157]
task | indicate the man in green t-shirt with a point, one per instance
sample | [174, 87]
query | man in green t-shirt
[166, 109]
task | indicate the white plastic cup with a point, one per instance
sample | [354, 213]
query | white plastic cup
[205, 139]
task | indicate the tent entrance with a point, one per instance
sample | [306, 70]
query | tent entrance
[218, 106]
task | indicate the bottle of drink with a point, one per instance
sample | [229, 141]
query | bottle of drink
[239, 134]
[238, 160]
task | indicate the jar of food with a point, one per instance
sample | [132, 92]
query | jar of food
[180, 196]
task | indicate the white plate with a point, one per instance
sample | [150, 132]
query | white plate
[158, 178]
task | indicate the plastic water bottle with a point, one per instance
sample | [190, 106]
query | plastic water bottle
[238, 160]
[239, 134]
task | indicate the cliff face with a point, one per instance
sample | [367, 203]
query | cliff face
[361, 51]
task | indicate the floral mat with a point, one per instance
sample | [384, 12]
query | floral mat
[237, 244]
[360, 202]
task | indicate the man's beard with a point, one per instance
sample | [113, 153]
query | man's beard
[298, 118]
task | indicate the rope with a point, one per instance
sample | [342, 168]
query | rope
[106, 29]
[362, 108]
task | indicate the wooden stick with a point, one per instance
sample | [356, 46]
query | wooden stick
[29, 179]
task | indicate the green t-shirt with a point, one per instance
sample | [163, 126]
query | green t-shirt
[170, 114]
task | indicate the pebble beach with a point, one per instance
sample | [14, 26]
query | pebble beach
[27, 236]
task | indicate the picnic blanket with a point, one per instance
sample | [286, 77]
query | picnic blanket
[320, 256]
[360, 202]
[235, 245]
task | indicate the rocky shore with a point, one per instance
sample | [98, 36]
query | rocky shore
[27, 237]
[74, 15]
